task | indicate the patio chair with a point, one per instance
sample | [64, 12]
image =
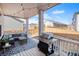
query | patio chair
[12, 43]
[1, 46]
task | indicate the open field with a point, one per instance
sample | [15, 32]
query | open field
[65, 33]
[58, 31]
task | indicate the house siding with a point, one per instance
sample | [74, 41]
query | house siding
[11, 25]
[75, 22]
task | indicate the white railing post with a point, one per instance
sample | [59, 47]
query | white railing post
[67, 47]
[59, 48]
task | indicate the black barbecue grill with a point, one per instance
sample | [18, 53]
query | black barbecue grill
[45, 43]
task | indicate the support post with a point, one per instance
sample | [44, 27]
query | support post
[26, 27]
[41, 23]
[2, 24]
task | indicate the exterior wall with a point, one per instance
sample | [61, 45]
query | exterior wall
[0, 21]
[75, 22]
[11, 25]
[0, 30]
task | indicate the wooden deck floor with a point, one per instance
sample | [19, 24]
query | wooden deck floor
[31, 43]
[32, 52]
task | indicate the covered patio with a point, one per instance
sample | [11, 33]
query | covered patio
[63, 46]
[25, 11]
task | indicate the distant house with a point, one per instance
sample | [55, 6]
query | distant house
[48, 24]
[10, 25]
[32, 25]
[75, 21]
[55, 24]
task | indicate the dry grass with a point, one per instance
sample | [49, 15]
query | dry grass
[58, 31]
[63, 32]
[33, 32]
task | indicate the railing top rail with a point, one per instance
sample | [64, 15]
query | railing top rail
[66, 39]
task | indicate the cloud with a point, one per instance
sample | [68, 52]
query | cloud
[46, 16]
[58, 11]
[33, 20]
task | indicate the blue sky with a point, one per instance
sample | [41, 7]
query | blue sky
[62, 13]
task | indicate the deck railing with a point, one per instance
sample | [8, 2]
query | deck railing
[63, 46]
[66, 47]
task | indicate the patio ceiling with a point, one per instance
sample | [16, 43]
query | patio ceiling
[23, 10]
